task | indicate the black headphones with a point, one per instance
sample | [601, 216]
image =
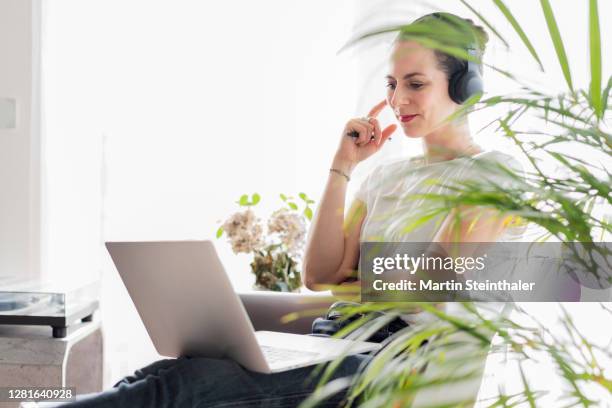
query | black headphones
[467, 81]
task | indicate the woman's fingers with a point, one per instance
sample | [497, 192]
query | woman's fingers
[363, 128]
[377, 109]
[387, 132]
[384, 135]
[377, 131]
[364, 138]
[371, 135]
[370, 131]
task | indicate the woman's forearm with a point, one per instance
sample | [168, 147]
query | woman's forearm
[325, 246]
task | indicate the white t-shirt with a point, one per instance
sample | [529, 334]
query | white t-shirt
[388, 192]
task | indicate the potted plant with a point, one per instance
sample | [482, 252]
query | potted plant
[276, 254]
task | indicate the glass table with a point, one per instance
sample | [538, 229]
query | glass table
[56, 304]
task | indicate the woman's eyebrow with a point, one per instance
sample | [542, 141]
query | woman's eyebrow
[407, 76]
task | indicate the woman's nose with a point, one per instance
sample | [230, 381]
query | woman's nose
[399, 98]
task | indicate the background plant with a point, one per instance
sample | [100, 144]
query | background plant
[276, 255]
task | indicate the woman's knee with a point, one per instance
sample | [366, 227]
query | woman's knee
[151, 369]
[350, 365]
[206, 365]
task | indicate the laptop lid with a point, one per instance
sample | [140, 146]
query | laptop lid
[186, 301]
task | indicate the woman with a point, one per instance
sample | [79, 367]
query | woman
[418, 95]
[422, 93]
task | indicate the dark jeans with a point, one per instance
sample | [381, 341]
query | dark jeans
[206, 382]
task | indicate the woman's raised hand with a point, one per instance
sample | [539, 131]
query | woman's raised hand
[362, 137]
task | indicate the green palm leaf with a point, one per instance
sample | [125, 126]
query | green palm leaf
[595, 52]
[372, 33]
[485, 22]
[555, 36]
[519, 30]
[606, 94]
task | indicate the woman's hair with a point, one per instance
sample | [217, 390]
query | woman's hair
[448, 29]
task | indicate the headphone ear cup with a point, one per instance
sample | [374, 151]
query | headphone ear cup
[464, 84]
[472, 84]
[455, 85]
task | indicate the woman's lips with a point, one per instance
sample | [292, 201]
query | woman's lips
[407, 118]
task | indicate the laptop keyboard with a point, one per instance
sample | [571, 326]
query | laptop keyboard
[276, 355]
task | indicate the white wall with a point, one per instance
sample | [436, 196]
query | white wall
[20, 177]
[73, 147]
[198, 104]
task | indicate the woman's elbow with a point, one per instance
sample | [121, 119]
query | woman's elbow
[311, 280]
[310, 283]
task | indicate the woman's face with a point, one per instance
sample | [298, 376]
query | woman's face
[417, 90]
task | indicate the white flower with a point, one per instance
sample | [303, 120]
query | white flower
[244, 231]
[290, 227]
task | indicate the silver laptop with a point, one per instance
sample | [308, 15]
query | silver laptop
[188, 306]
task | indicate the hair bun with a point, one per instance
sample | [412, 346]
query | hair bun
[481, 35]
